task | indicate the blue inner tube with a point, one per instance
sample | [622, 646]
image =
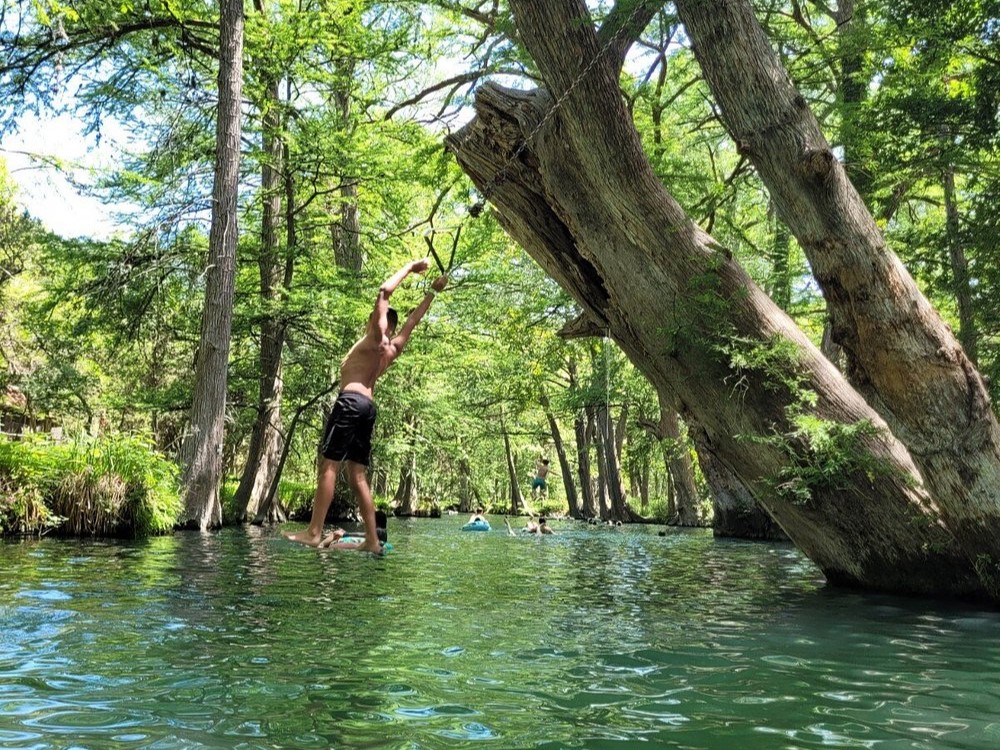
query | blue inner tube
[478, 525]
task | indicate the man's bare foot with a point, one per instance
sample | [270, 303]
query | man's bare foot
[375, 549]
[307, 537]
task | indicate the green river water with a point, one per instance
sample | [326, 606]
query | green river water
[596, 638]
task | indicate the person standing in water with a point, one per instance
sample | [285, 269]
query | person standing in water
[347, 436]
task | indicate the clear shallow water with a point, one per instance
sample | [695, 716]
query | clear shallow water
[597, 638]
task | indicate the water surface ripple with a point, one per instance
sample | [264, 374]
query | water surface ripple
[596, 638]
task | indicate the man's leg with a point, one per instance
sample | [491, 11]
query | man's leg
[356, 475]
[326, 480]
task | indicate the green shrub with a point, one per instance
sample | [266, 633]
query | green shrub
[296, 496]
[22, 510]
[110, 486]
[656, 510]
[227, 493]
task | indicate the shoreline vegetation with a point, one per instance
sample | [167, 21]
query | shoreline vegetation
[120, 487]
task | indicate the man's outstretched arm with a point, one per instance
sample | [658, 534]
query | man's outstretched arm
[418, 313]
[378, 323]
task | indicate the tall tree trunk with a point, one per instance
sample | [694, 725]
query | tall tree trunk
[584, 202]
[682, 498]
[406, 499]
[620, 428]
[265, 436]
[516, 499]
[588, 505]
[465, 488]
[597, 438]
[271, 507]
[203, 452]
[643, 482]
[346, 228]
[567, 471]
[610, 468]
[959, 268]
[900, 353]
[830, 348]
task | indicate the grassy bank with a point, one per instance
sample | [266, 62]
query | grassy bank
[114, 486]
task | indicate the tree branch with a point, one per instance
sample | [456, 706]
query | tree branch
[624, 24]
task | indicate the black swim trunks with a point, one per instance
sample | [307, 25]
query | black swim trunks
[348, 431]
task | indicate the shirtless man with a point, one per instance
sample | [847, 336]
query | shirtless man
[539, 485]
[348, 432]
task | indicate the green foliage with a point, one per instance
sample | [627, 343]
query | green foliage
[773, 363]
[296, 496]
[825, 454]
[115, 486]
[22, 509]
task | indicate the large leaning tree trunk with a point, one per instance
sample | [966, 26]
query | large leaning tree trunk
[583, 200]
[735, 512]
[900, 353]
[203, 449]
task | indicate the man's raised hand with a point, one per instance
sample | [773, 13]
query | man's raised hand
[419, 266]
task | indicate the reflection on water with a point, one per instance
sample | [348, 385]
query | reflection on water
[595, 638]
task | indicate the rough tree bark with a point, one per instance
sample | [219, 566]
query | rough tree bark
[584, 202]
[265, 437]
[596, 435]
[346, 227]
[203, 450]
[405, 500]
[609, 466]
[465, 488]
[736, 514]
[900, 354]
[516, 499]
[681, 469]
[588, 504]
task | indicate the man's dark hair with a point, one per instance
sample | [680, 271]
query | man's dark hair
[393, 318]
[541, 520]
[381, 519]
[545, 461]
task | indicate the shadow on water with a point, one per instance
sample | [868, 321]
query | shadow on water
[594, 638]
